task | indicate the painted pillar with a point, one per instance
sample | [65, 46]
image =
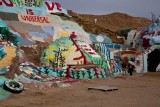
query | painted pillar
[111, 54]
[145, 65]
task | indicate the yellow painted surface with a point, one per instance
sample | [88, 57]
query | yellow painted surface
[28, 71]
[64, 33]
[6, 61]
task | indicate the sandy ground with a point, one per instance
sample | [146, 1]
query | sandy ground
[136, 91]
[10, 55]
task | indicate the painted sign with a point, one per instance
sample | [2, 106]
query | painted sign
[47, 7]
[34, 20]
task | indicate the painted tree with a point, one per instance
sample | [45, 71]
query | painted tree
[73, 73]
[83, 73]
[77, 74]
[60, 59]
[72, 37]
[90, 76]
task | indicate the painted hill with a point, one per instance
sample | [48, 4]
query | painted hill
[64, 25]
[49, 36]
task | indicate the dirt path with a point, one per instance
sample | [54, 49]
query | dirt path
[134, 91]
[10, 55]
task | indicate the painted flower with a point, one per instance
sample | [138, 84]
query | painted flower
[69, 48]
[50, 49]
[50, 57]
[64, 33]
[64, 55]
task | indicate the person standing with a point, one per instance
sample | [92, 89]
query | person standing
[124, 68]
[112, 67]
[131, 69]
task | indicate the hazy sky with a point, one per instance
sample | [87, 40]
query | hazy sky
[139, 8]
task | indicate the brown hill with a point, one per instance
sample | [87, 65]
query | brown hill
[117, 21]
[109, 24]
[90, 27]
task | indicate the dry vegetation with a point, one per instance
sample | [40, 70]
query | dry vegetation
[117, 21]
[109, 24]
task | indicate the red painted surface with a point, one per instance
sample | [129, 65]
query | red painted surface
[96, 73]
[58, 6]
[7, 3]
[72, 37]
[51, 6]
[29, 11]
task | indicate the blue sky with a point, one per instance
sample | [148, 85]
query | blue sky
[139, 8]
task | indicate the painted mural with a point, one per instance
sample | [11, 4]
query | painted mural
[31, 8]
[66, 27]
[46, 50]
[73, 52]
[146, 37]
[69, 44]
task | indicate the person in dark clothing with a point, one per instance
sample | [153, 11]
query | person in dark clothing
[130, 69]
[124, 68]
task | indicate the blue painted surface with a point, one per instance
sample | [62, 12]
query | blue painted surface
[37, 34]
[25, 42]
[105, 51]
[106, 39]
[145, 68]
[2, 24]
[48, 29]
[113, 46]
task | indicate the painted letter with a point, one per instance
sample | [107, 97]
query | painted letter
[50, 7]
[0, 3]
[41, 19]
[46, 19]
[23, 17]
[29, 11]
[58, 6]
[7, 4]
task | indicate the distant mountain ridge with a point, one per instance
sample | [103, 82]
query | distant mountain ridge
[116, 21]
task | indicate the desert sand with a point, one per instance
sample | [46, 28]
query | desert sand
[135, 91]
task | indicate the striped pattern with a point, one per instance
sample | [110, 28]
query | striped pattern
[118, 68]
[105, 51]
